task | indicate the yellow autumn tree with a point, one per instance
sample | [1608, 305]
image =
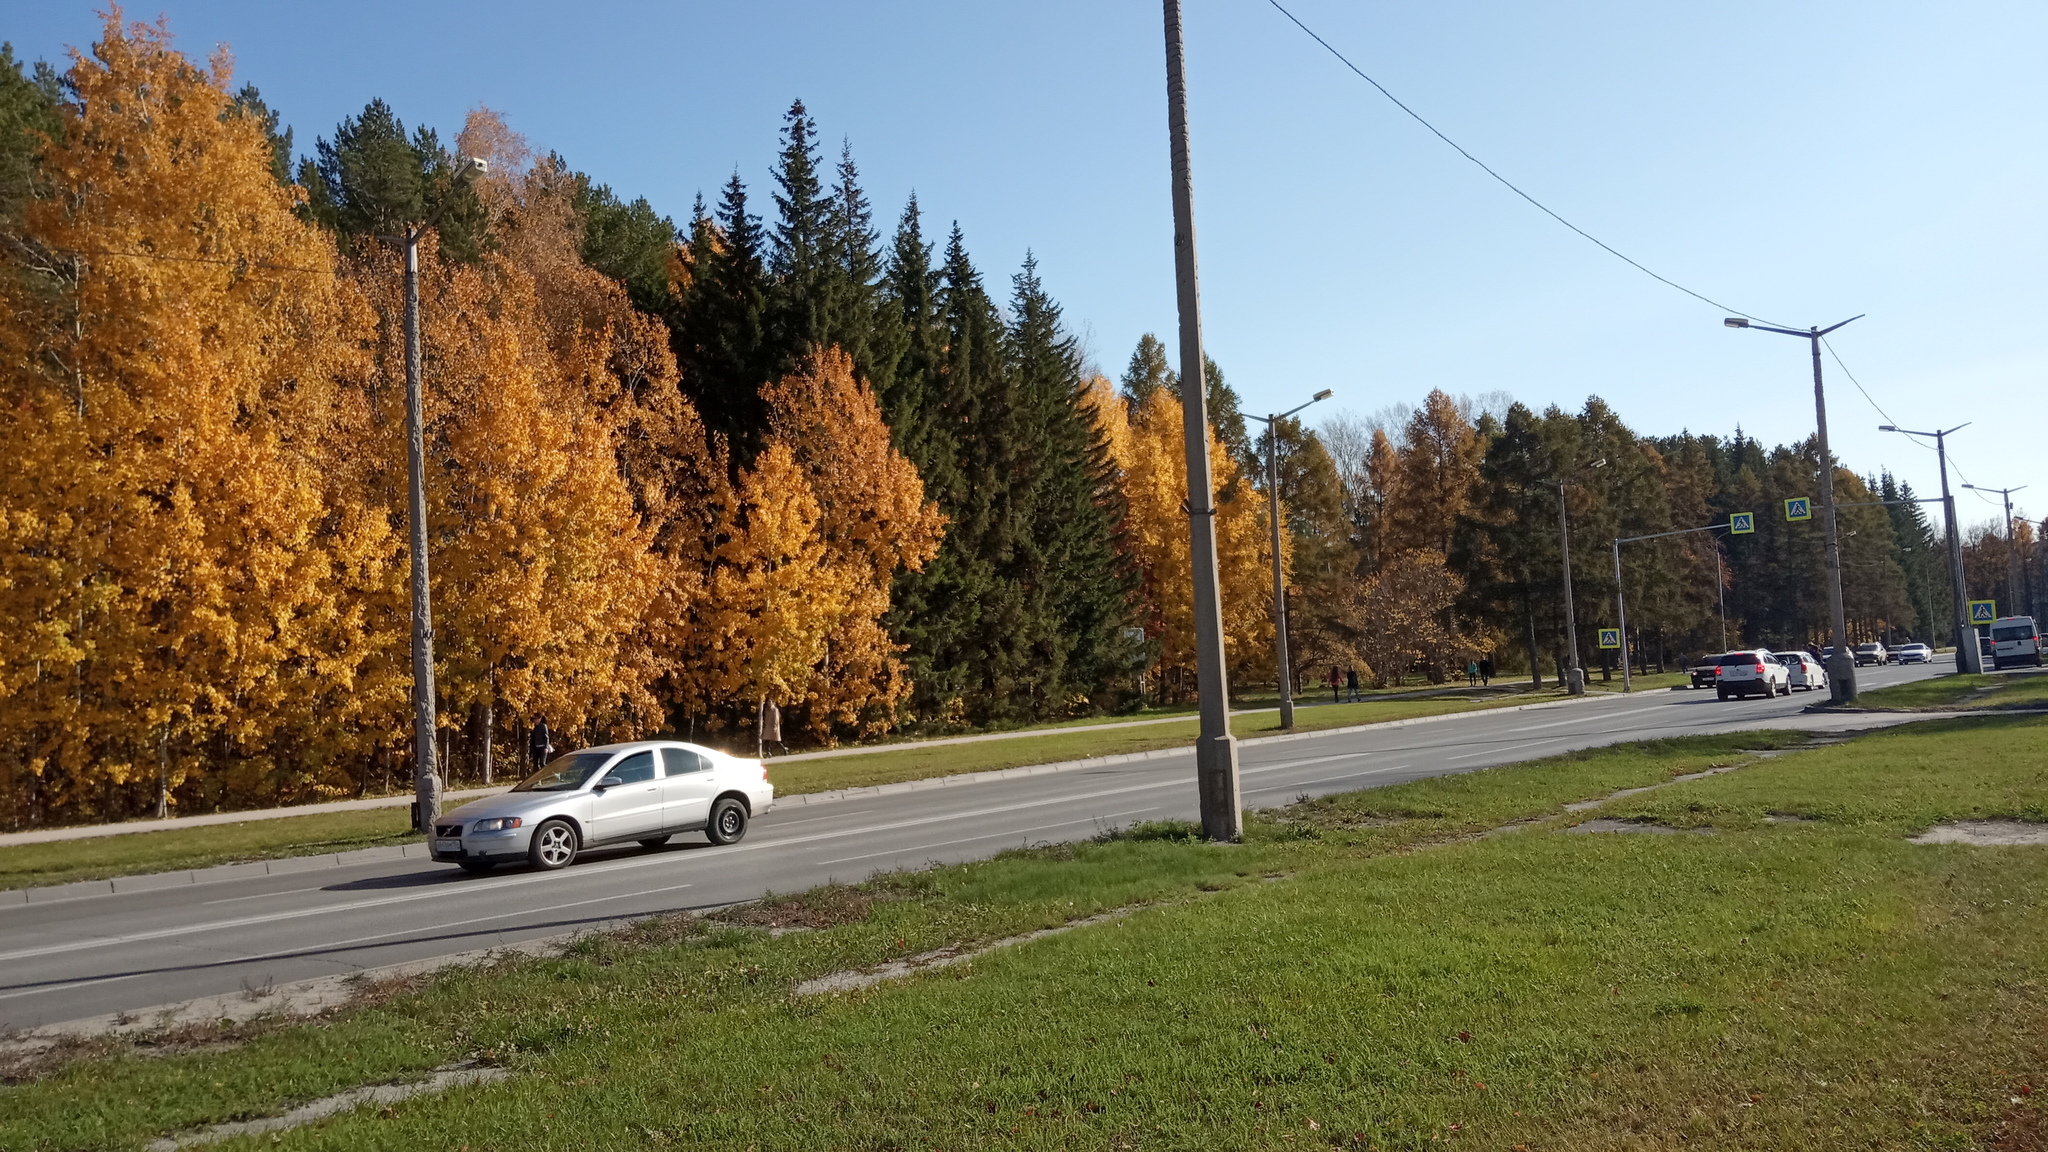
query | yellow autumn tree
[166, 364]
[1145, 441]
[874, 522]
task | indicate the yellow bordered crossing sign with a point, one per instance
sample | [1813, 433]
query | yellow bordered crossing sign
[1799, 508]
[1741, 523]
[1610, 637]
[1983, 611]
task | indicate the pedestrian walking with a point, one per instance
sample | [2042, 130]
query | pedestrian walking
[1472, 673]
[1351, 683]
[1336, 686]
[769, 728]
[1486, 672]
[541, 743]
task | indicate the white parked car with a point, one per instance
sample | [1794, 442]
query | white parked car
[1802, 670]
[1755, 673]
[647, 790]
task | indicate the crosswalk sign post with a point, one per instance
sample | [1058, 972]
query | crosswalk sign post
[1799, 508]
[1741, 523]
[1610, 637]
[1983, 611]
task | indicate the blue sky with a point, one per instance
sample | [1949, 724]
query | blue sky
[1804, 162]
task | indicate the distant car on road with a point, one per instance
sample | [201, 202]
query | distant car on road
[1803, 671]
[646, 791]
[1704, 673]
[1871, 654]
[2015, 641]
[1755, 673]
[1913, 654]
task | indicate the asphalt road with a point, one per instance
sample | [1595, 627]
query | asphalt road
[87, 957]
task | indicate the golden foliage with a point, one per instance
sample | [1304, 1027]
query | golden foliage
[1146, 443]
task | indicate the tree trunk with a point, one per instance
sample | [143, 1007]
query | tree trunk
[490, 735]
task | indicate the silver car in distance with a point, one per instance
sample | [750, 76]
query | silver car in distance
[647, 790]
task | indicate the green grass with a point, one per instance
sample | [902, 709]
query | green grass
[1961, 690]
[134, 853]
[1363, 972]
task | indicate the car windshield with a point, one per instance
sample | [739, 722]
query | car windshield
[566, 774]
[2013, 632]
[1792, 657]
[1741, 660]
[1866, 647]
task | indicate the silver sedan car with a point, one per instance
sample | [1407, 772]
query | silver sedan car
[647, 790]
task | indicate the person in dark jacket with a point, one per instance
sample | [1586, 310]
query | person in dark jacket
[541, 743]
[1486, 672]
[1351, 683]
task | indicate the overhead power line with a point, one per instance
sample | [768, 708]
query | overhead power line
[1504, 181]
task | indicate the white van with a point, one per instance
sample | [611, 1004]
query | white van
[2015, 640]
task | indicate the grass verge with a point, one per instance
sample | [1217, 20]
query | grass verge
[1961, 691]
[133, 853]
[1364, 972]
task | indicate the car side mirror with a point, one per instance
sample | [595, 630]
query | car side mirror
[609, 782]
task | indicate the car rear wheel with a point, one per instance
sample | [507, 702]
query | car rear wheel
[653, 841]
[728, 821]
[1720, 694]
[555, 845]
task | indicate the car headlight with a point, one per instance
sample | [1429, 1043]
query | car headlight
[499, 824]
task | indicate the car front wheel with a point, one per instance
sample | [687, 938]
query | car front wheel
[728, 821]
[555, 844]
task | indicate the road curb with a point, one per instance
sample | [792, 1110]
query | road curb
[154, 881]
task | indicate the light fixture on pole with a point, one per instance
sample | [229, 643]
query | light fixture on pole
[1286, 668]
[1841, 662]
[1968, 657]
[2020, 578]
[1216, 780]
[1574, 676]
[427, 780]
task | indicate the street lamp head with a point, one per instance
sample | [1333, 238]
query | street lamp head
[1600, 463]
[474, 166]
[1735, 322]
[1325, 394]
[1887, 428]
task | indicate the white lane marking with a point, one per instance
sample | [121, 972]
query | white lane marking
[261, 895]
[351, 940]
[1329, 779]
[300, 913]
[1592, 719]
[1510, 749]
[1003, 834]
[595, 870]
[1305, 763]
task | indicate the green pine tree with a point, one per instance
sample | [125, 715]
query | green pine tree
[720, 333]
[29, 119]
[373, 181]
[249, 102]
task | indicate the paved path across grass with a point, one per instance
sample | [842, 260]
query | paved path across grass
[124, 952]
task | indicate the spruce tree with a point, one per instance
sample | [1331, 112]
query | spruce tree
[631, 243]
[721, 334]
[249, 102]
[801, 250]
[29, 103]
[850, 320]
[1074, 582]
[1149, 371]
[373, 180]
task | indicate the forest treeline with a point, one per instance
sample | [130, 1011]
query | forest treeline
[673, 471]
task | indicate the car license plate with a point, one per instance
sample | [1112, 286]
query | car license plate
[447, 845]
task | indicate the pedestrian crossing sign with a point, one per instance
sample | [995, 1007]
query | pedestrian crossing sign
[1983, 611]
[1741, 523]
[1610, 637]
[1799, 508]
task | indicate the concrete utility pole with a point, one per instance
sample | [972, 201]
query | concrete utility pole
[1572, 674]
[1842, 662]
[1215, 749]
[2019, 579]
[427, 783]
[1285, 665]
[1969, 658]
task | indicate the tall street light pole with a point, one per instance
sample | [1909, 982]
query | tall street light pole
[1841, 662]
[2019, 577]
[1285, 666]
[1968, 657]
[1573, 675]
[1216, 778]
[427, 781]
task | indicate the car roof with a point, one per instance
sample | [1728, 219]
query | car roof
[638, 745]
